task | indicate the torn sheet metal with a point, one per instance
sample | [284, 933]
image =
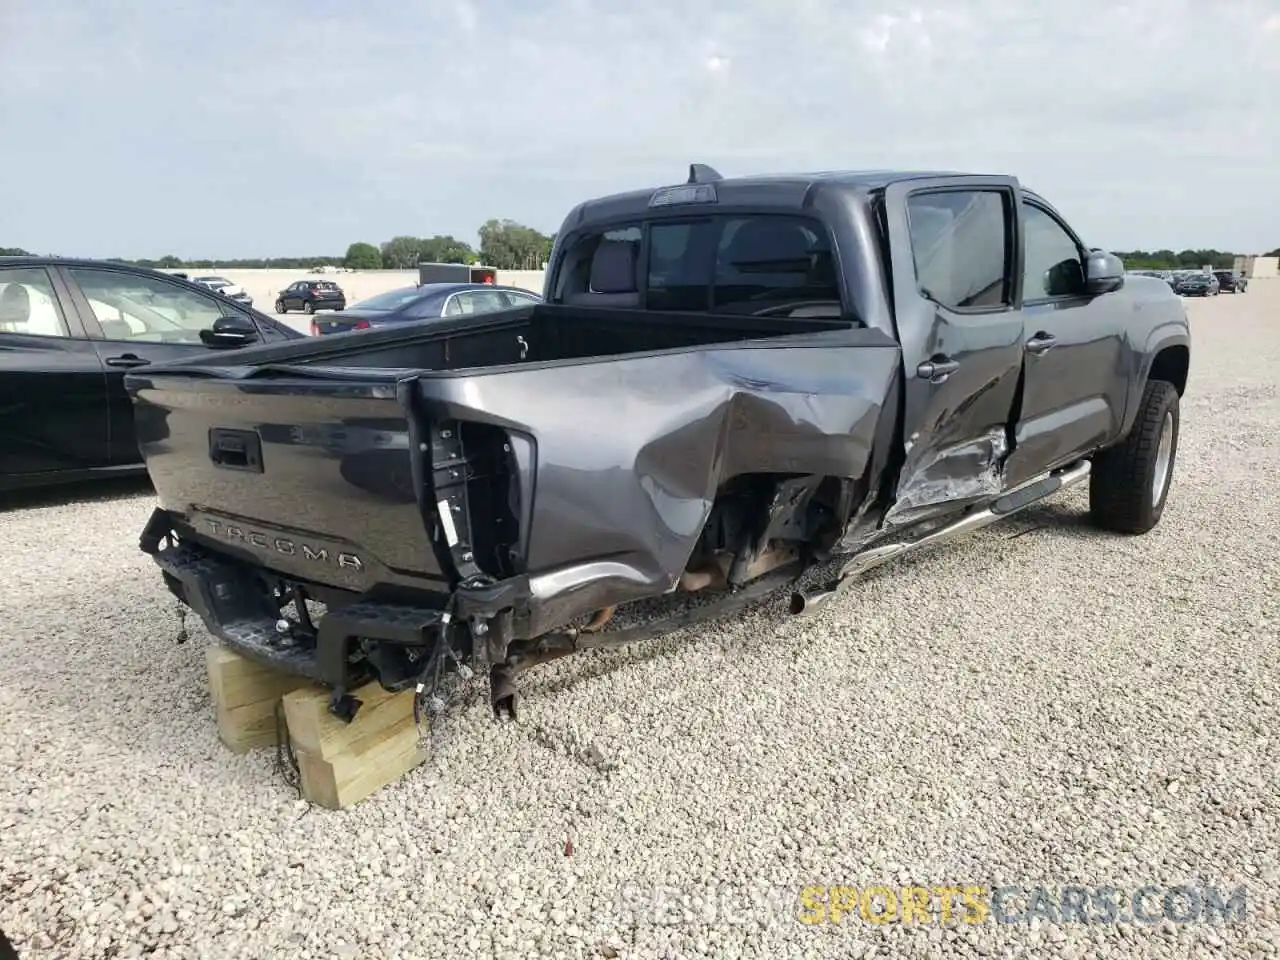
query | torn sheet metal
[972, 471]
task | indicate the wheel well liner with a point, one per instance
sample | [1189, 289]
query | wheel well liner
[1172, 364]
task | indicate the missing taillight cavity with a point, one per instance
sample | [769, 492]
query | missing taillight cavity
[475, 489]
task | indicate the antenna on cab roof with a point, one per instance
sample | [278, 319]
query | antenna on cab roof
[701, 173]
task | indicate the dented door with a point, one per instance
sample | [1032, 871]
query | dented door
[953, 250]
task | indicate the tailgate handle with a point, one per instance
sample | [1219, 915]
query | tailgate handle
[236, 449]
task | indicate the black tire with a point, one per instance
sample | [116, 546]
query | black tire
[1123, 495]
[280, 307]
[308, 307]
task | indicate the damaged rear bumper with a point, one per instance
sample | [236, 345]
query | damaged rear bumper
[262, 615]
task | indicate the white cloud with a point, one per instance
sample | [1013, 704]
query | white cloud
[465, 13]
[433, 117]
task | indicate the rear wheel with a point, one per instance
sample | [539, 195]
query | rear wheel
[308, 307]
[280, 307]
[1130, 482]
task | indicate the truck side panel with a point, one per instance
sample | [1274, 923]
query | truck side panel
[629, 455]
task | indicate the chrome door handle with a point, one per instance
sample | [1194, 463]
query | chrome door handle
[1041, 343]
[937, 369]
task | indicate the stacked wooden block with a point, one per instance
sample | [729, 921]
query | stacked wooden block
[340, 763]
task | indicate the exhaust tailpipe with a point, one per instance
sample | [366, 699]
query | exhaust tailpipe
[805, 605]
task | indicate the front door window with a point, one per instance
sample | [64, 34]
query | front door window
[129, 307]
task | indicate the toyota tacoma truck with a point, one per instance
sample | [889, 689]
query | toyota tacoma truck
[731, 381]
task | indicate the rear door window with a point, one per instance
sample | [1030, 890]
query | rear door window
[486, 301]
[518, 299]
[960, 240]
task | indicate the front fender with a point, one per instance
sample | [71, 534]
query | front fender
[1170, 333]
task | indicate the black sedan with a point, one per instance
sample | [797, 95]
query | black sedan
[427, 301]
[69, 331]
[310, 296]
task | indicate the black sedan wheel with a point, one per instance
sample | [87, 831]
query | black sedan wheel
[280, 307]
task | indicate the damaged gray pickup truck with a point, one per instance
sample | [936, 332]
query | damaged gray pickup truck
[730, 381]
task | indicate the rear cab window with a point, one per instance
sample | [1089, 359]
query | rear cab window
[777, 264]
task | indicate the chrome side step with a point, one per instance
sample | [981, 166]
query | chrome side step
[1007, 504]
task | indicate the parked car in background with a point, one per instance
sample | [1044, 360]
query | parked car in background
[1197, 284]
[428, 301]
[69, 331]
[1166, 275]
[225, 287]
[1228, 282]
[310, 296]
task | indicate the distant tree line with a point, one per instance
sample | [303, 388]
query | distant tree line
[1182, 260]
[504, 244]
[508, 245]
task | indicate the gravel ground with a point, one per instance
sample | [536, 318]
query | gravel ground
[1057, 708]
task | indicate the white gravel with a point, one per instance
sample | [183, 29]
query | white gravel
[1059, 708]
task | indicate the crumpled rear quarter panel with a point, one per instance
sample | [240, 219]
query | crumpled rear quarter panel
[630, 453]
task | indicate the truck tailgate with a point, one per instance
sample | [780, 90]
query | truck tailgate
[301, 475]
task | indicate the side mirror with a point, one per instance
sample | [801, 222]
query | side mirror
[231, 331]
[1104, 272]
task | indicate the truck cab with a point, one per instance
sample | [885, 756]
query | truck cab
[1016, 354]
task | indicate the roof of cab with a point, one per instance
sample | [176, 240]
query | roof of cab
[782, 189]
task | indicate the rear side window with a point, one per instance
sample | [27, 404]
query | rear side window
[27, 303]
[960, 241]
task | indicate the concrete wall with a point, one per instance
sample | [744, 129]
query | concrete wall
[1258, 268]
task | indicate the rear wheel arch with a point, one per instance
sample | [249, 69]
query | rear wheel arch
[742, 502]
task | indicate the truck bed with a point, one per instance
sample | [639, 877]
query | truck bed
[538, 334]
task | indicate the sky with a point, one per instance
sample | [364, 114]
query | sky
[252, 128]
